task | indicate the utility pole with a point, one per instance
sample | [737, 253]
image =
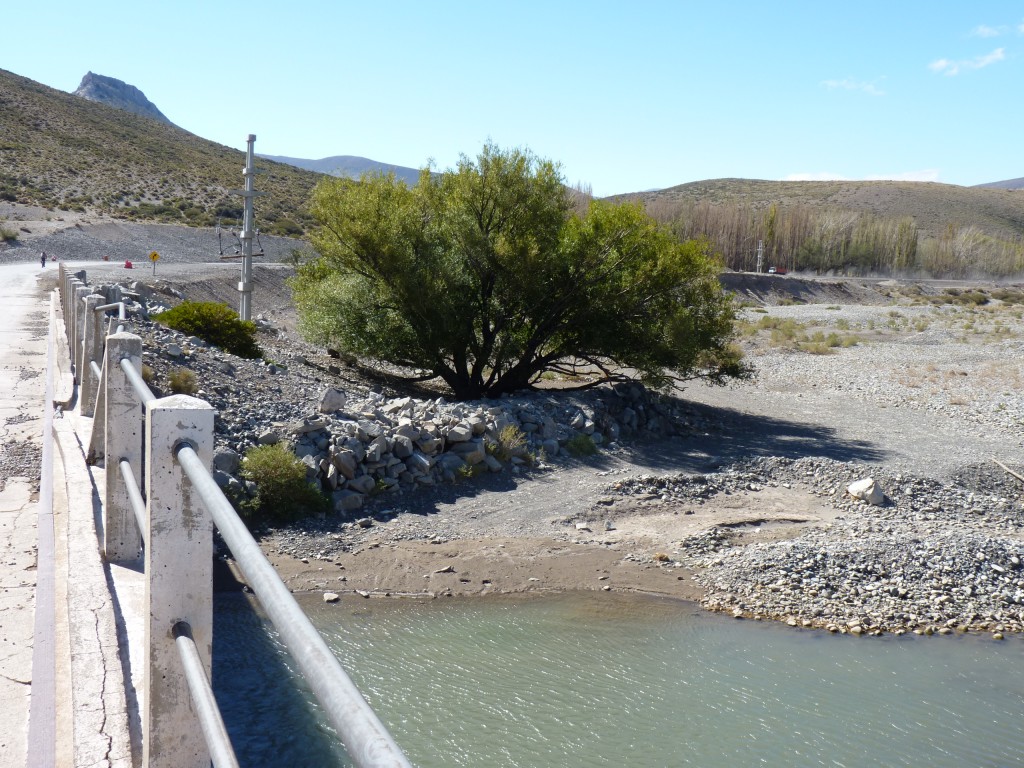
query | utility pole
[246, 236]
[760, 257]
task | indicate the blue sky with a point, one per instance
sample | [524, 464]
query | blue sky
[626, 96]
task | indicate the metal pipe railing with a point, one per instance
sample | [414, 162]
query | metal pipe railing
[365, 737]
[138, 504]
[138, 384]
[122, 313]
[363, 734]
[118, 305]
[221, 752]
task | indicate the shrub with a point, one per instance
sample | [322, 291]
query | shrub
[581, 445]
[148, 375]
[215, 324]
[182, 381]
[7, 234]
[511, 442]
[282, 492]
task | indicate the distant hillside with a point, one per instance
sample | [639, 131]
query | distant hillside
[64, 152]
[933, 206]
[349, 166]
[1008, 184]
[116, 93]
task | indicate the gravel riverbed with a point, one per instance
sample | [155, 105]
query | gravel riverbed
[739, 493]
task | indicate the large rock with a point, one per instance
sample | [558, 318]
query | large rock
[377, 448]
[346, 463]
[472, 452]
[270, 437]
[332, 400]
[226, 460]
[227, 482]
[347, 500]
[450, 462]
[403, 447]
[459, 433]
[306, 426]
[867, 490]
[363, 484]
[418, 462]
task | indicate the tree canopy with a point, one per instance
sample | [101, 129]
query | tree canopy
[487, 276]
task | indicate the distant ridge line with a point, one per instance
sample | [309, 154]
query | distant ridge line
[348, 166]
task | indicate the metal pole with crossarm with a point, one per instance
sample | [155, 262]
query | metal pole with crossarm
[245, 285]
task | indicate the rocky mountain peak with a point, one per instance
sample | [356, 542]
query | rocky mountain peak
[118, 94]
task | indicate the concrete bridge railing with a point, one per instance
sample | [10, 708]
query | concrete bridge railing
[160, 500]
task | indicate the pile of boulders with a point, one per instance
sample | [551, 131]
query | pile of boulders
[355, 448]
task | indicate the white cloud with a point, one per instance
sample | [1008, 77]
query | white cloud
[983, 30]
[950, 68]
[852, 84]
[931, 174]
[821, 176]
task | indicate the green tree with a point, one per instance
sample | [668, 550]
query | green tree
[486, 277]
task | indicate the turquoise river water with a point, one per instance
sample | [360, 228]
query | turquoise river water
[614, 680]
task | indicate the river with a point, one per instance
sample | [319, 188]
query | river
[610, 680]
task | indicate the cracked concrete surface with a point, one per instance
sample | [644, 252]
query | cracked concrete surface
[22, 361]
[101, 734]
[92, 716]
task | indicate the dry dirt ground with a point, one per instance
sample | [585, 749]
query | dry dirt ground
[624, 558]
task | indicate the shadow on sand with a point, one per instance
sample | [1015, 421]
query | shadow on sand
[733, 436]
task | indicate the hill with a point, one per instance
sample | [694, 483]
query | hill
[63, 152]
[934, 207]
[349, 166]
[1008, 184]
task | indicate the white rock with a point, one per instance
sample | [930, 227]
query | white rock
[867, 490]
[332, 400]
[459, 433]
[331, 597]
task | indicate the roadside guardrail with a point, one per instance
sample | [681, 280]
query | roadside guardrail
[160, 500]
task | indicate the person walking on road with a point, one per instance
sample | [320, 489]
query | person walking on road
[42, 259]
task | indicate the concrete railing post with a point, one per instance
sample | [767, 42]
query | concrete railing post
[69, 318]
[80, 291]
[92, 350]
[122, 430]
[66, 306]
[64, 285]
[61, 287]
[179, 586]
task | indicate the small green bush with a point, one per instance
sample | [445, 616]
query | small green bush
[282, 491]
[7, 234]
[581, 445]
[215, 324]
[182, 381]
[511, 442]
